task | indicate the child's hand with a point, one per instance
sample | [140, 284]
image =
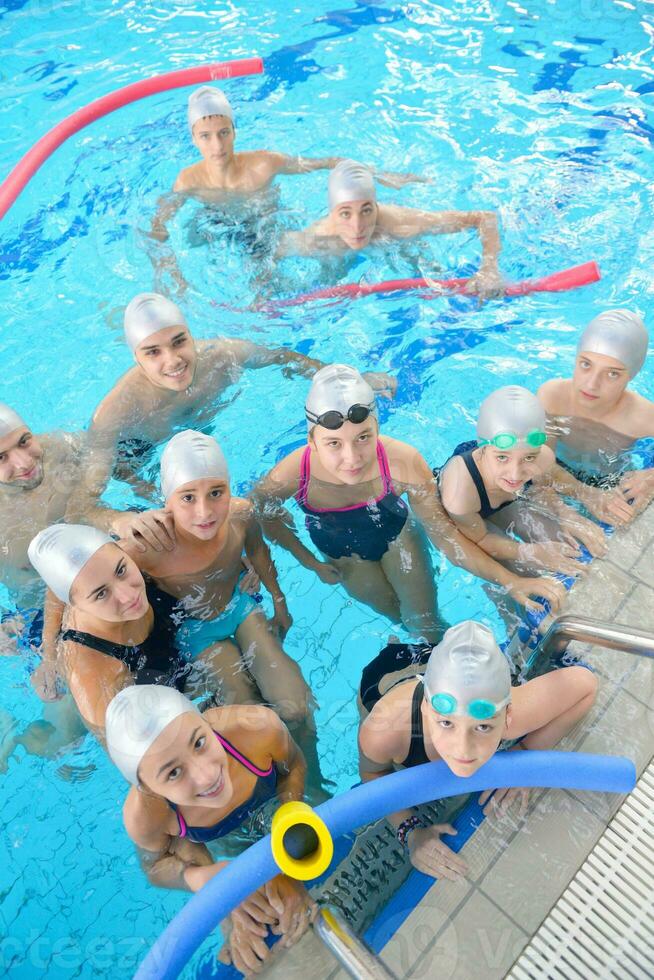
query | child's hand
[431, 856]
[155, 528]
[327, 573]
[294, 906]
[527, 591]
[498, 802]
[282, 620]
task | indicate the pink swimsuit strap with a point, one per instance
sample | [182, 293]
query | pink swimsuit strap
[305, 477]
[234, 752]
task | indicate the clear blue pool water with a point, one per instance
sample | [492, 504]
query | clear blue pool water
[543, 113]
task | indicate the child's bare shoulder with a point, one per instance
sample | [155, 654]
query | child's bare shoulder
[189, 178]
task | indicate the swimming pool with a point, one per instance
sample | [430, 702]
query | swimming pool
[543, 114]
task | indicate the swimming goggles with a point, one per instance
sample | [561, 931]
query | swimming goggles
[507, 440]
[479, 708]
[334, 420]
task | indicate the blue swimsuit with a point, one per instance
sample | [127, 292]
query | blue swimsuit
[263, 791]
[364, 529]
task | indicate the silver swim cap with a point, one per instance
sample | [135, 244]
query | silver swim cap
[135, 719]
[191, 456]
[207, 101]
[148, 313]
[9, 420]
[620, 334]
[511, 411]
[336, 388]
[61, 551]
[467, 673]
[350, 181]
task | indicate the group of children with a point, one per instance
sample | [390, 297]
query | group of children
[148, 611]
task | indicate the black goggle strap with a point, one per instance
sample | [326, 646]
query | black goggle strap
[315, 419]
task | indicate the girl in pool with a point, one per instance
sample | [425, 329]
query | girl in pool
[349, 481]
[497, 482]
[596, 420]
[192, 783]
[458, 705]
[116, 630]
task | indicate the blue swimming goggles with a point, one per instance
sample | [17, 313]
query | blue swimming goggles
[479, 708]
[508, 440]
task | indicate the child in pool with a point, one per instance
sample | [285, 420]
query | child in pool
[349, 481]
[356, 220]
[497, 482]
[37, 474]
[458, 705]
[192, 783]
[115, 629]
[595, 419]
[223, 174]
[222, 627]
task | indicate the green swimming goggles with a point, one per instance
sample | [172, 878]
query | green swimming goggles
[479, 708]
[507, 440]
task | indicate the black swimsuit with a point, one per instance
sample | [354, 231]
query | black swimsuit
[465, 451]
[156, 660]
[416, 755]
[365, 529]
[393, 657]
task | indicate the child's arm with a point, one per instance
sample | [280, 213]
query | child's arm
[44, 678]
[168, 862]
[288, 759]
[466, 553]
[278, 485]
[167, 207]
[259, 554]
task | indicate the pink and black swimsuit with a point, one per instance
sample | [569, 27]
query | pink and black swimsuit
[263, 791]
[364, 529]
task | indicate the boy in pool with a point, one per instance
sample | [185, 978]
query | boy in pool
[192, 783]
[458, 705]
[221, 626]
[356, 220]
[37, 474]
[202, 572]
[503, 482]
[349, 480]
[596, 420]
[176, 381]
[222, 174]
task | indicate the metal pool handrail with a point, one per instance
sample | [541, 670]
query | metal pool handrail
[615, 636]
[349, 949]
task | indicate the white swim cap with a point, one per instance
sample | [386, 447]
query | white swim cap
[466, 668]
[148, 313]
[350, 181]
[191, 456]
[207, 101]
[511, 411]
[336, 388]
[9, 420]
[61, 551]
[135, 719]
[620, 334]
